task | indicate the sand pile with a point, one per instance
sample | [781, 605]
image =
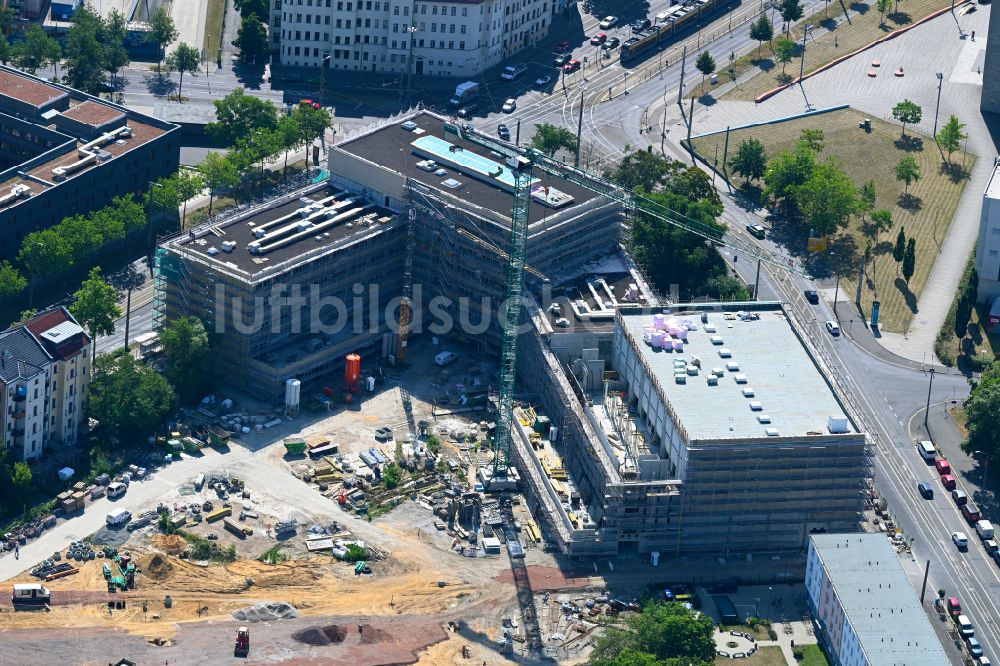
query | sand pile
[372, 635]
[158, 568]
[266, 612]
[321, 635]
[170, 544]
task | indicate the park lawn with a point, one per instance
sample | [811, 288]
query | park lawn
[214, 16]
[765, 656]
[926, 217]
[813, 656]
[863, 29]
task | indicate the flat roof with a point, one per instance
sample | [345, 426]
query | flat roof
[27, 90]
[767, 353]
[241, 232]
[393, 147]
[93, 114]
[878, 599]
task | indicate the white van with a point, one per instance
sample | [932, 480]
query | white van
[445, 357]
[119, 517]
[926, 448]
[116, 490]
[985, 529]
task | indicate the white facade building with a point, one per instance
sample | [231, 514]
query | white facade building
[988, 250]
[866, 610]
[457, 39]
[44, 377]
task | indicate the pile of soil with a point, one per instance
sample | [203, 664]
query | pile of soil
[320, 635]
[158, 568]
[169, 543]
[373, 635]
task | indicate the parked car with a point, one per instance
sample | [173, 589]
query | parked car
[943, 466]
[959, 496]
[926, 491]
[510, 105]
[542, 81]
[608, 22]
[960, 540]
[975, 649]
[812, 297]
[467, 110]
[833, 327]
[562, 46]
[757, 231]
[561, 59]
[991, 546]
[971, 513]
[640, 25]
[954, 606]
[611, 44]
[964, 625]
[948, 481]
[598, 39]
[571, 66]
[996, 557]
[503, 132]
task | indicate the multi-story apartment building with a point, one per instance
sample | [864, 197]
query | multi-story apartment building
[63, 153]
[455, 38]
[44, 377]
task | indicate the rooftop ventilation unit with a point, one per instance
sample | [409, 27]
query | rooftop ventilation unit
[710, 328]
[718, 372]
[763, 418]
[17, 192]
[409, 126]
[755, 406]
[451, 184]
[228, 246]
[712, 380]
[725, 353]
[716, 339]
[748, 392]
[837, 424]
[771, 432]
[212, 250]
[741, 379]
[732, 366]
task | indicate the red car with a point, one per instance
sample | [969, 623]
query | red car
[571, 66]
[948, 481]
[562, 46]
[954, 606]
[943, 466]
[598, 39]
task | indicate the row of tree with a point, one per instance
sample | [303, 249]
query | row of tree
[982, 410]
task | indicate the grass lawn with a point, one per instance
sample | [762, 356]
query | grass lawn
[213, 28]
[925, 213]
[813, 656]
[766, 656]
[842, 38]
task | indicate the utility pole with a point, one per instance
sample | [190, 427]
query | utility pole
[802, 60]
[927, 409]
[517, 135]
[579, 130]
[756, 280]
[690, 124]
[725, 155]
[322, 78]
[663, 131]
[937, 107]
[923, 590]
[836, 295]
[680, 90]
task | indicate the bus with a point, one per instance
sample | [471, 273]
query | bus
[669, 24]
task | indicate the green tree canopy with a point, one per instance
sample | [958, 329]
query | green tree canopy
[188, 352]
[37, 51]
[828, 197]
[750, 159]
[251, 39]
[899, 249]
[6, 52]
[664, 632]
[162, 32]
[114, 30]
[550, 138]
[908, 171]
[20, 476]
[312, 124]
[908, 113]
[791, 11]
[11, 280]
[219, 175]
[96, 306]
[785, 172]
[184, 59]
[909, 259]
[784, 51]
[706, 65]
[85, 52]
[240, 115]
[258, 8]
[950, 136]
[129, 398]
[813, 139]
[882, 7]
[761, 31]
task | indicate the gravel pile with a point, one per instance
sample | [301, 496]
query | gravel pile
[266, 612]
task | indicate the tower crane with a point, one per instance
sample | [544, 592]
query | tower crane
[521, 161]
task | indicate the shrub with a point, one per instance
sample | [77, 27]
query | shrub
[772, 634]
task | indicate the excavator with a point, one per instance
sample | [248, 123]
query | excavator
[242, 642]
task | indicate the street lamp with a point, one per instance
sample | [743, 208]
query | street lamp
[322, 75]
[927, 409]
[937, 107]
[802, 62]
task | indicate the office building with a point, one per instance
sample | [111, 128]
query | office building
[44, 377]
[63, 153]
[864, 606]
[988, 248]
[455, 38]
[990, 100]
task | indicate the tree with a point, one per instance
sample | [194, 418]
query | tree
[184, 59]
[114, 30]
[251, 39]
[951, 136]
[127, 397]
[750, 159]
[37, 50]
[908, 113]
[982, 410]
[761, 31]
[129, 280]
[908, 171]
[909, 259]
[5, 49]
[881, 222]
[96, 306]
[239, 115]
[784, 50]
[549, 139]
[288, 136]
[162, 32]
[827, 198]
[84, 51]
[6, 18]
[41, 253]
[391, 477]
[726, 288]
[189, 185]
[188, 353]
[664, 634]
[11, 280]
[791, 11]
[963, 314]
[218, 174]
[258, 8]
[899, 249]
[640, 170]
[882, 6]
[785, 172]
[705, 65]
[20, 476]
[813, 139]
[312, 124]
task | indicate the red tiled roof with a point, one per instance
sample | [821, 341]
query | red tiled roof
[93, 114]
[49, 319]
[27, 90]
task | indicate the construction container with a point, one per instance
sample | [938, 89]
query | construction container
[219, 513]
[295, 446]
[80, 498]
[237, 528]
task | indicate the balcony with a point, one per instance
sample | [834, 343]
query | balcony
[18, 415]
